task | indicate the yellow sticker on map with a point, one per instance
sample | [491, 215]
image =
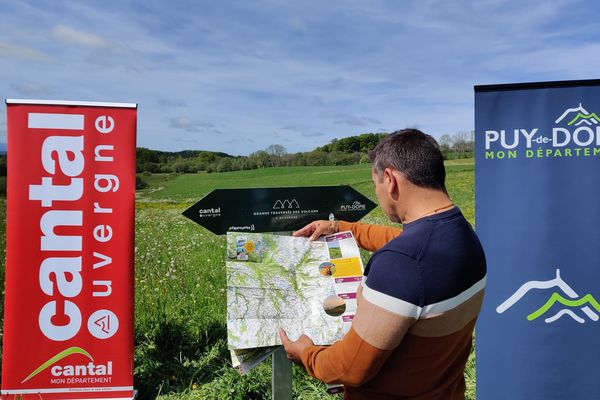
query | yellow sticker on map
[347, 267]
[249, 246]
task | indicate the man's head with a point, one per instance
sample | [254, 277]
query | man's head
[408, 174]
[414, 154]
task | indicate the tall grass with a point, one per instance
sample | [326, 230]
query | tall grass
[181, 348]
[180, 310]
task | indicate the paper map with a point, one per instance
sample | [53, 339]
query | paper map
[280, 281]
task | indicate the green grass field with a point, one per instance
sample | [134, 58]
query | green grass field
[180, 331]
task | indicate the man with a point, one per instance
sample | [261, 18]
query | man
[422, 291]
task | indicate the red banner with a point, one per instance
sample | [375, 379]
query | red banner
[68, 311]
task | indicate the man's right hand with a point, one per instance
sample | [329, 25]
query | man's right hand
[316, 229]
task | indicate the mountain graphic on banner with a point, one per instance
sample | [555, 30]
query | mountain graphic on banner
[582, 116]
[575, 301]
[558, 298]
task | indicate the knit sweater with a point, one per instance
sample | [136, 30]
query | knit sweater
[417, 307]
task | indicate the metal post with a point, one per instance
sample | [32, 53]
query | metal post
[282, 376]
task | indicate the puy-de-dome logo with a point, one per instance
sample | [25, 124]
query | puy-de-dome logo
[576, 134]
[582, 117]
[356, 206]
[579, 308]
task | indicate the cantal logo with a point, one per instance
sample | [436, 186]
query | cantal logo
[562, 301]
[59, 369]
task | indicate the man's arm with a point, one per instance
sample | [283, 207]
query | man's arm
[358, 356]
[389, 304]
[369, 237]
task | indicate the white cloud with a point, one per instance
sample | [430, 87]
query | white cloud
[102, 52]
[347, 119]
[295, 127]
[69, 35]
[573, 61]
[312, 134]
[30, 89]
[171, 103]
[22, 52]
[189, 125]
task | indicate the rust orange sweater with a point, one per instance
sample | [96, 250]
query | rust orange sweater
[370, 237]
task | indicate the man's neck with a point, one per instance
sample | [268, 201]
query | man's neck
[425, 202]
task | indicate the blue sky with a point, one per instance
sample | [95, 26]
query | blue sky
[237, 76]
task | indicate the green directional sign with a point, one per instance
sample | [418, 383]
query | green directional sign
[276, 209]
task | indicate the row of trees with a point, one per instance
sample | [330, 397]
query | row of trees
[459, 145]
[182, 161]
[346, 151]
[258, 159]
[354, 144]
[352, 150]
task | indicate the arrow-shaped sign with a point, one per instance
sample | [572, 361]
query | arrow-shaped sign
[276, 209]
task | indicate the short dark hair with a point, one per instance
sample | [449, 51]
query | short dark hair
[413, 153]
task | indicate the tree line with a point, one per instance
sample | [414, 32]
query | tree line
[346, 151]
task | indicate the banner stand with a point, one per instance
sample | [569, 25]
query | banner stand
[68, 308]
[537, 189]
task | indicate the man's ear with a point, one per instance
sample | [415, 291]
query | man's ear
[392, 181]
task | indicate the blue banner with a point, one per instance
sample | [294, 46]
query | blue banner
[537, 202]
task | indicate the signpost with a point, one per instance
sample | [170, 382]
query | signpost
[276, 210]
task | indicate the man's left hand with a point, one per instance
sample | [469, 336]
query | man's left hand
[295, 349]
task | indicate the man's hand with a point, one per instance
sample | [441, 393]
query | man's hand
[294, 349]
[317, 229]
